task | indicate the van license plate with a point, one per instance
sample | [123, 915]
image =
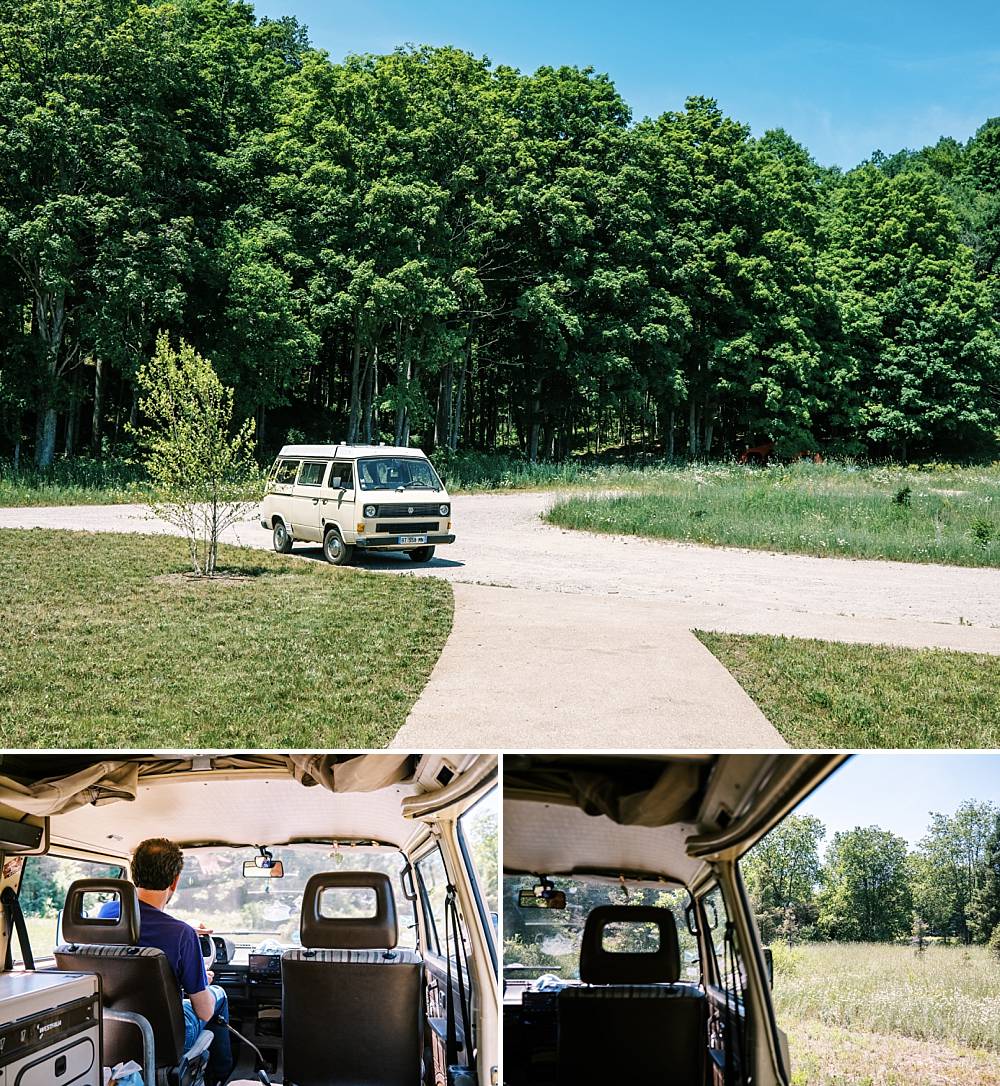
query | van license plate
[413, 539]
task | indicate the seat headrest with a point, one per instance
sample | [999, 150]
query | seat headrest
[330, 931]
[601, 966]
[82, 923]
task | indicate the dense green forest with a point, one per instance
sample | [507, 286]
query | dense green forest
[868, 886]
[428, 247]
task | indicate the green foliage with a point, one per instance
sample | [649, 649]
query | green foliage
[199, 470]
[865, 896]
[983, 911]
[993, 944]
[950, 866]
[423, 246]
[781, 874]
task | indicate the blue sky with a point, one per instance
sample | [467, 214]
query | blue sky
[898, 789]
[843, 78]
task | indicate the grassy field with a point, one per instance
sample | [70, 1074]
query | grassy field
[103, 644]
[75, 482]
[828, 694]
[874, 1015]
[945, 515]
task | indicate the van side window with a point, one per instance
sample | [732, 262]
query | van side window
[728, 959]
[311, 473]
[286, 471]
[432, 888]
[342, 475]
[43, 891]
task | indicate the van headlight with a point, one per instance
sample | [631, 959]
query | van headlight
[444, 510]
[370, 511]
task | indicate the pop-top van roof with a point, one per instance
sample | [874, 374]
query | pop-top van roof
[321, 451]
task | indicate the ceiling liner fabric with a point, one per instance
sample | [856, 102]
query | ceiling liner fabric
[113, 781]
[646, 795]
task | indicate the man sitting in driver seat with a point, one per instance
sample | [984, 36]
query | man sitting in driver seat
[156, 869]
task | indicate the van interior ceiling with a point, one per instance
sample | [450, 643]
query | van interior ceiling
[347, 892]
[629, 939]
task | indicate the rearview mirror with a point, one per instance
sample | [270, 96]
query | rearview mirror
[263, 868]
[769, 965]
[541, 897]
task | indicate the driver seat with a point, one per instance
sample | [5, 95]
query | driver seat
[135, 980]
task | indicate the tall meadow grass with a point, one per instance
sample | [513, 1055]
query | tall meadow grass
[946, 993]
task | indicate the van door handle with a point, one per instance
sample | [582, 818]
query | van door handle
[315, 501]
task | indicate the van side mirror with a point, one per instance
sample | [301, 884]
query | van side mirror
[769, 965]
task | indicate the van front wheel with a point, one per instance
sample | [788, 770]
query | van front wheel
[335, 550]
[282, 540]
[422, 554]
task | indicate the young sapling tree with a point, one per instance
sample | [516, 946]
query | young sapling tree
[202, 471]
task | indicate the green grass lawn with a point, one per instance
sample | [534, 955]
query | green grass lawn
[949, 515]
[881, 1015]
[101, 647]
[828, 694]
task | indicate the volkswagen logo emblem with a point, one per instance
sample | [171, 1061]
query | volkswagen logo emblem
[409, 510]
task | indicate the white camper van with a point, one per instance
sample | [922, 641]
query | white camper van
[373, 497]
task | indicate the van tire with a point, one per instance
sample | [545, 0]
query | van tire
[421, 554]
[335, 550]
[282, 540]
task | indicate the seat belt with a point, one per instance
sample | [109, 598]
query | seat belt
[15, 921]
[458, 1075]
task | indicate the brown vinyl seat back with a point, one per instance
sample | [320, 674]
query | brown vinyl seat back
[133, 978]
[352, 1002]
[631, 1018]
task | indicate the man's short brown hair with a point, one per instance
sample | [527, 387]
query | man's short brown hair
[156, 863]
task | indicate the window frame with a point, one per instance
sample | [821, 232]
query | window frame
[434, 940]
[324, 464]
[116, 863]
[279, 464]
[485, 916]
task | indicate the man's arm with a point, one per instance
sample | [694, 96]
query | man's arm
[203, 1003]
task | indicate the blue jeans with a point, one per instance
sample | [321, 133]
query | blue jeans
[220, 1054]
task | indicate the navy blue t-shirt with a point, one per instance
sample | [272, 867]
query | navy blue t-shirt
[178, 941]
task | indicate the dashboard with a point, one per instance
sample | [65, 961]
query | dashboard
[242, 965]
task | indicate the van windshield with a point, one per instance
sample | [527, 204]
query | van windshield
[541, 942]
[395, 472]
[212, 891]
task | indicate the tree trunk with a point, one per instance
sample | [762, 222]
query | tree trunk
[73, 416]
[670, 435]
[369, 382]
[534, 422]
[50, 322]
[97, 416]
[456, 422]
[692, 428]
[442, 426]
[708, 422]
[355, 409]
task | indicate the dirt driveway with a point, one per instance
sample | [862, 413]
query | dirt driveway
[570, 640]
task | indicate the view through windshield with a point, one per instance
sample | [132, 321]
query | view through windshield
[253, 911]
[538, 942]
[390, 472]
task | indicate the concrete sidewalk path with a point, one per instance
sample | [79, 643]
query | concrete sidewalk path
[537, 670]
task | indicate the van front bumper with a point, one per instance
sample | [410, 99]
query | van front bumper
[369, 542]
